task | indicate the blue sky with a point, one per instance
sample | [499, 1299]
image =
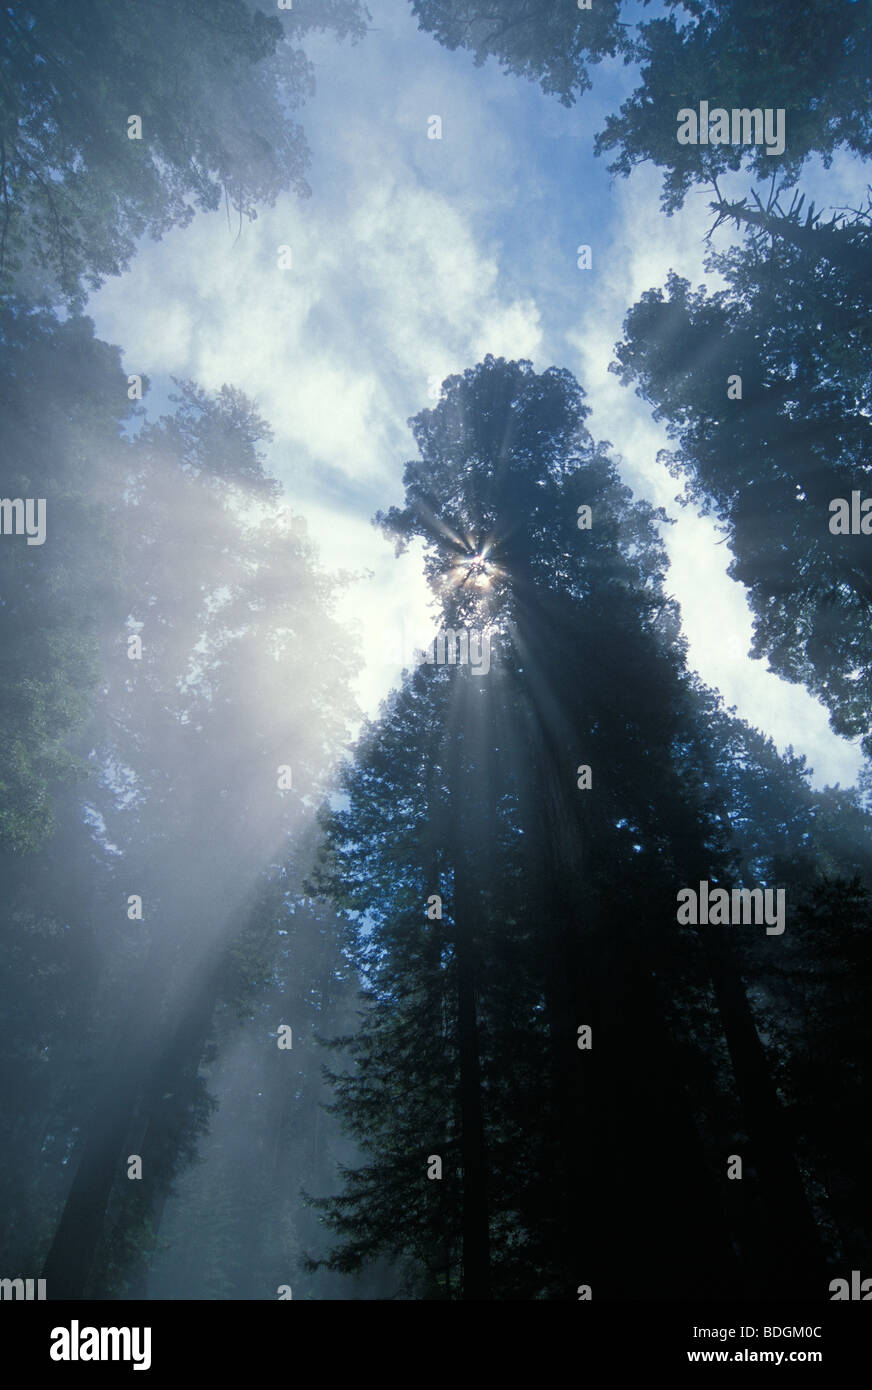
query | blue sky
[411, 260]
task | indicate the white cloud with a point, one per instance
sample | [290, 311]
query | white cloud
[391, 283]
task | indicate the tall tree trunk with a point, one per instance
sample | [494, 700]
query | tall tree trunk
[476, 1237]
[639, 1204]
[474, 1215]
[67, 1268]
[795, 1260]
[69, 1265]
[165, 1115]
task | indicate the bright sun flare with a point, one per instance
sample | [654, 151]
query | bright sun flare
[475, 571]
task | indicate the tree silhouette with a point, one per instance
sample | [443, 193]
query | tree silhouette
[558, 903]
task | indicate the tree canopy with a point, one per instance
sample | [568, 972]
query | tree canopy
[813, 61]
[792, 329]
[213, 84]
[550, 44]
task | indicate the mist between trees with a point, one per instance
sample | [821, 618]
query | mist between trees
[296, 1005]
